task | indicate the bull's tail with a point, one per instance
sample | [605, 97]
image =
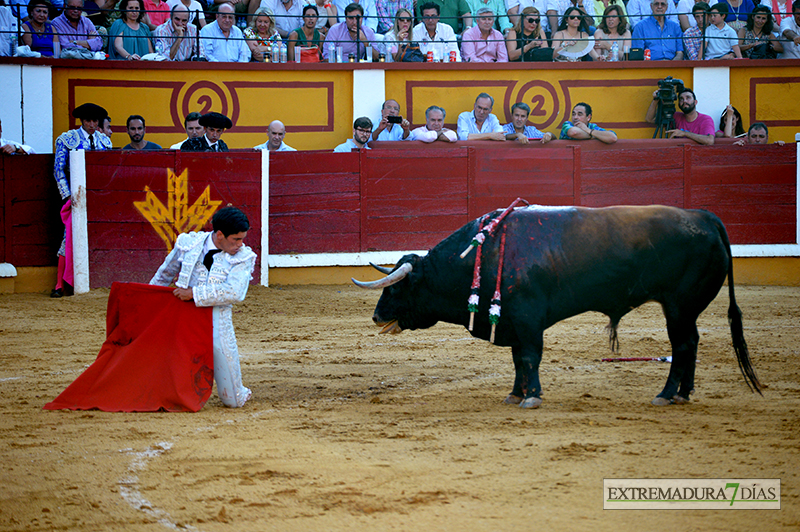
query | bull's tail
[735, 321]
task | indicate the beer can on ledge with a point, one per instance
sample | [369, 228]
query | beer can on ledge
[430, 56]
[452, 56]
[647, 54]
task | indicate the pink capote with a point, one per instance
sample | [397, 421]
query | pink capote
[158, 355]
[66, 217]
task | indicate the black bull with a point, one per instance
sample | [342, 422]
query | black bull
[563, 261]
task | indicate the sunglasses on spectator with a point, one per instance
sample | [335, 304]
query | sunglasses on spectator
[574, 17]
[532, 20]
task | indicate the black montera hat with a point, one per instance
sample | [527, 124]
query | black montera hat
[216, 120]
[90, 111]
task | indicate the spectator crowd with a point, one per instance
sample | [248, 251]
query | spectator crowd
[483, 31]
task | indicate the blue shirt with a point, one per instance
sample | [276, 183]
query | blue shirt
[217, 47]
[529, 131]
[395, 134]
[347, 146]
[468, 125]
[663, 43]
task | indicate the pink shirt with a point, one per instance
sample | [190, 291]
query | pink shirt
[158, 14]
[702, 125]
[477, 50]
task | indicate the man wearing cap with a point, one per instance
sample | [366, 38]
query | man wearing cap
[276, 132]
[86, 137]
[215, 124]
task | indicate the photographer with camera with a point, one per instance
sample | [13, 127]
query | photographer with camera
[392, 126]
[687, 122]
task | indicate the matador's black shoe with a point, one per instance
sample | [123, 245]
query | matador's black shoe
[57, 292]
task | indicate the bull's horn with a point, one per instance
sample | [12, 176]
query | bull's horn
[383, 269]
[395, 277]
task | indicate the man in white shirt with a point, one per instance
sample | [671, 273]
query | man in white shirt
[9, 147]
[480, 123]
[222, 41]
[276, 132]
[362, 131]
[396, 129]
[557, 8]
[639, 10]
[288, 15]
[434, 129]
[790, 30]
[434, 36]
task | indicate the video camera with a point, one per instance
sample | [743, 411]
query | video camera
[668, 91]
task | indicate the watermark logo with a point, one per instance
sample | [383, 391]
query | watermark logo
[691, 494]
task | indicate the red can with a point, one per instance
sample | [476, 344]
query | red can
[452, 56]
[647, 54]
[430, 56]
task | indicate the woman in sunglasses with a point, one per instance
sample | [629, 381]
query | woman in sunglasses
[573, 31]
[526, 36]
[613, 28]
[399, 38]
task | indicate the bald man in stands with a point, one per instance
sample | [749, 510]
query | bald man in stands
[276, 132]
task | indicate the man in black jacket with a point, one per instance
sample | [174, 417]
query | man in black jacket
[215, 124]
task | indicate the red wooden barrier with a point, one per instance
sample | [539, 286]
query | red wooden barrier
[30, 225]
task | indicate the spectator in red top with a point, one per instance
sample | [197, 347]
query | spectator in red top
[157, 13]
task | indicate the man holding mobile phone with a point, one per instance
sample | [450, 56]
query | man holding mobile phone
[392, 126]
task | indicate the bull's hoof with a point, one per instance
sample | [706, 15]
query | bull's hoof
[512, 399]
[661, 401]
[678, 400]
[531, 402]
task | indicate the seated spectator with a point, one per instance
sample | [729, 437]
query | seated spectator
[721, 40]
[454, 13]
[684, 11]
[129, 37]
[738, 11]
[288, 15]
[399, 38]
[730, 124]
[688, 122]
[176, 39]
[387, 13]
[76, 34]
[38, 32]
[136, 131]
[790, 30]
[781, 9]
[434, 129]
[328, 15]
[9, 147]
[344, 35]
[362, 130]
[195, 10]
[222, 41]
[600, 7]
[514, 9]
[307, 36]
[757, 134]
[693, 36]
[641, 10]
[557, 10]
[756, 39]
[526, 37]
[573, 32]
[99, 11]
[240, 7]
[158, 12]
[480, 123]
[215, 124]
[8, 25]
[582, 128]
[276, 132]
[369, 12]
[391, 130]
[482, 43]
[613, 28]
[260, 34]
[193, 129]
[497, 8]
[519, 130]
[434, 36]
[658, 34]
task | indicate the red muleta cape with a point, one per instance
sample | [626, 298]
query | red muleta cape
[158, 355]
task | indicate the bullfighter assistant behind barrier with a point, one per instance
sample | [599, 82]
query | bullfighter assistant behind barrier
[214, 269]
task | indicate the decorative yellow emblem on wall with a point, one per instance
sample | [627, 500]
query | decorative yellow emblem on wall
[177, 217]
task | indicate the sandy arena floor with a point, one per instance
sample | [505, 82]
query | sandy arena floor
[349, 430]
